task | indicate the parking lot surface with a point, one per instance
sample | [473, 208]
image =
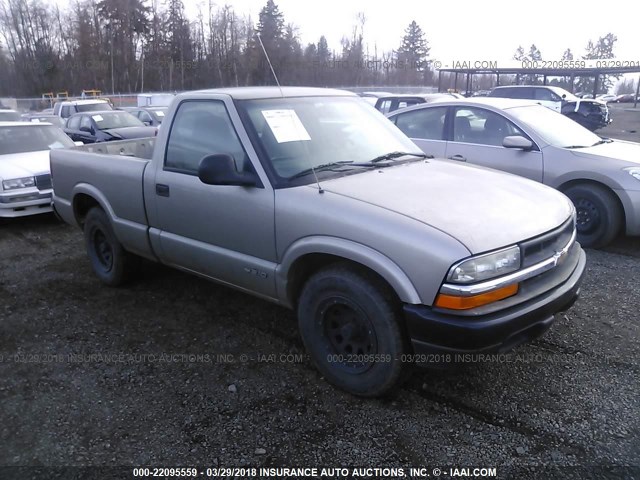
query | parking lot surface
[176, 371]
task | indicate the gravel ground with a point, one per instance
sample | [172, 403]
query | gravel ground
[77, 389]
[176, 371]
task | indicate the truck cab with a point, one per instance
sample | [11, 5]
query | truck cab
[67, 108]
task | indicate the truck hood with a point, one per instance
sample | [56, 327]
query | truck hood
[18, 165]
[482, 208]
[132, 132]
[618, 150]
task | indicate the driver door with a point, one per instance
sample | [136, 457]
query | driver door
[224, 232]
[477, 137]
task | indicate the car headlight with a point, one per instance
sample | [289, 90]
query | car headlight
[15, 183]
[634, 172]
[483, 267]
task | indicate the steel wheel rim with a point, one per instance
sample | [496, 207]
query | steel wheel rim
[588, 216]
[103, 250]
[349, 333]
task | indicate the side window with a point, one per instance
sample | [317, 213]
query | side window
[74, 123]
[482, 127]
[524, 93]
[144, 116]
[65, 111]
[385, 106]
[85, 122]
[426, 124]
[546, 95]
[202, 128]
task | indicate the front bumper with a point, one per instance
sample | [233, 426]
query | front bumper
[23, 202]
[433, 332]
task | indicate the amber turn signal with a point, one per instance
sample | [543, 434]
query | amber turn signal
[454, 302]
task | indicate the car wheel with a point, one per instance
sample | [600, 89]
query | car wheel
[110, 261]
[599, 215]
[349, 321]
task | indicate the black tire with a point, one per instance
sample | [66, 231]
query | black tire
[110, 261]
[349, 321]
[599, 214]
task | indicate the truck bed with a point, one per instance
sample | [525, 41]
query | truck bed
[110, 173]
[138, 147]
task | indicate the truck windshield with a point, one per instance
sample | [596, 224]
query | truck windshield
[93, 107]
[109, 120]
[32, 138]
[555, 128]
[299, 133]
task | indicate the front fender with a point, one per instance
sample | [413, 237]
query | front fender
[349, 250]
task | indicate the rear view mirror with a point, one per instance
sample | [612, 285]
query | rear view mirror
[516, 141]
[220, 169]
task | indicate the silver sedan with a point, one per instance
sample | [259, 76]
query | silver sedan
[601, 176]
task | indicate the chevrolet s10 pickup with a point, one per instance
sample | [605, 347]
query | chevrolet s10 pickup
[311, 199]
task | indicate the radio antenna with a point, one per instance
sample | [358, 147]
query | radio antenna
[273, 72]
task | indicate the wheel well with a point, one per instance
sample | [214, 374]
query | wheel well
[572, 183]
[309, 264]
[82, 203]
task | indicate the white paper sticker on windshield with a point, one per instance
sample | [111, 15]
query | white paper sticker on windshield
[97, 118]
[160, 113]
[56, 145]
[285, 125]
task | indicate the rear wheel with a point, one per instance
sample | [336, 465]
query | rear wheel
[350, 324]
[599, 214]
[110, 261]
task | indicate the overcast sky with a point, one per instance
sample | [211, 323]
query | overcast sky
[464, 29]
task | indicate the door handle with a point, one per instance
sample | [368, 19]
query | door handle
[458, 158]
[162, 190]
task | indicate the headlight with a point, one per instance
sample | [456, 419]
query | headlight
[634, 172]
[483, 267]
[18, 183]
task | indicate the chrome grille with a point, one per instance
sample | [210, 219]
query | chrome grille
[546, 245]
[43, 182]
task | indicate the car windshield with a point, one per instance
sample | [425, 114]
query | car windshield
[32, 138]
[299, 133]
[555, 128]
[9, 116]
[108, 120]
[93, 107]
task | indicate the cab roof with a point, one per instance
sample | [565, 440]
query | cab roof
[254, 93]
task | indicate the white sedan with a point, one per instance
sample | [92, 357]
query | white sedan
[25, 176]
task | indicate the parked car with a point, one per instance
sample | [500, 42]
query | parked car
[392, 103]
[65, 109]
[106, 126]
[308, 198]
[601, 176]
[606, 98]
[9, 116]
[150, 116]
[43, 118]
[625, 98]
[25, 179]
[591, 114]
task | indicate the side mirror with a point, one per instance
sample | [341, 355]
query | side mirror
[147, 123]
[220, 169]
[516, 141]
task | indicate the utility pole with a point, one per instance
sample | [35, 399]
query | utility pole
[109, 27]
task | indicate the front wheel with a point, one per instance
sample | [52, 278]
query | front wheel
[349, 321]
[599, 217]
[110, 261]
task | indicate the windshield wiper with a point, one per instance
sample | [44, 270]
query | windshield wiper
[323, 167]
[576, 146]
[392, 155]
[600, 142]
